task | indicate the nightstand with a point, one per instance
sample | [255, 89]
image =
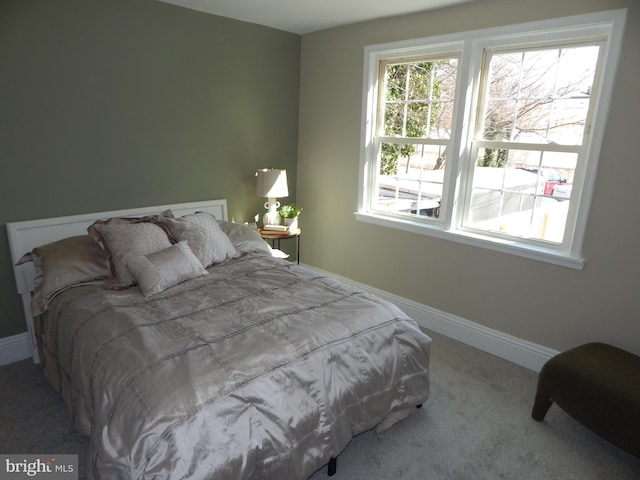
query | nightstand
[275, 238]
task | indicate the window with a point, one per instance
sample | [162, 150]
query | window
[416, 104]
[492, 137]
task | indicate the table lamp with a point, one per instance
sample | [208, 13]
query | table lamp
[271, 183]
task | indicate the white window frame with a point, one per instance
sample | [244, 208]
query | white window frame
[469, 47]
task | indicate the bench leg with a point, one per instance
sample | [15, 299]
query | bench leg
[541, 407]
[333, 466]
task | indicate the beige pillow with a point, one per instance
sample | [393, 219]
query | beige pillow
[121, 240]
[205, 237]
[160, 270]
[64, 264]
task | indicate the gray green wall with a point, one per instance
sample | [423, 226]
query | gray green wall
[118, 104]
[549, 305]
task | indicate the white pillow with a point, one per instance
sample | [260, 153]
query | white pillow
[160, 270]
[122, 240]
[205, 237]
[246, 238]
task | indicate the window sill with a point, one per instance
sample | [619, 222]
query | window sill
[531, 252]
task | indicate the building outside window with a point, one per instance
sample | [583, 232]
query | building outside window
[492, 137]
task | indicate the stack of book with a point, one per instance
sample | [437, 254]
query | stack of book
[276, 228]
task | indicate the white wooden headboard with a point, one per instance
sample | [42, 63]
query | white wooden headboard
[25, 236]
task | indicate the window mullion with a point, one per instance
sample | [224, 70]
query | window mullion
[413, 140]
[473, 76]
[542, 147]
[405, 110]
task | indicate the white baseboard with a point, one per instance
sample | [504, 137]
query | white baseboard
[513, 349]
[14, 348]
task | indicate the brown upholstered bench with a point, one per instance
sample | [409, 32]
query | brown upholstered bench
[599, 386]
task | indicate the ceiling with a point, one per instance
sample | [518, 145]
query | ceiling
[304, 16]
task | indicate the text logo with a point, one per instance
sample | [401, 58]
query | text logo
[49, 467]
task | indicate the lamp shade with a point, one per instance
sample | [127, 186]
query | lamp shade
[271, 183]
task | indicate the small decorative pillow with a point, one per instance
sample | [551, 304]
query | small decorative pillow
[64, 264]
[246, 238]
[160, 270]
[205, 237]
[122, 240]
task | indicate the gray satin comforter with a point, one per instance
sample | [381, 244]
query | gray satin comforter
[261, 369]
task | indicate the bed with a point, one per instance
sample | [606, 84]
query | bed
[202, 355]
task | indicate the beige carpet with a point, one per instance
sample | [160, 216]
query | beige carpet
[476, 425]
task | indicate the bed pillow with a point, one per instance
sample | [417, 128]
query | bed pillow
[125, 238]
[204, 236]
[64, 264]
[160, 270]
[245, 237]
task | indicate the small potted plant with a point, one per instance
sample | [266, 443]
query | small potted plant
[290, 214]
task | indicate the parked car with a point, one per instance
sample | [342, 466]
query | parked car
[552, 180]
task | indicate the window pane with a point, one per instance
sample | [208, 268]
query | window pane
[419, 98]
[394, 120]
[417, 114]
[567, 121]
[539, 96]
[410, 179]
[522, 193]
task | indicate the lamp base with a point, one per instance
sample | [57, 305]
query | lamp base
[272, 217]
